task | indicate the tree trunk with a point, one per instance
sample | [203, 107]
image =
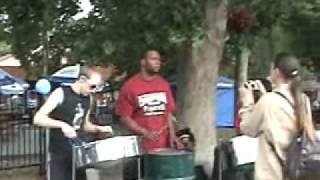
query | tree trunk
[243, 65]
[184, 55]
[199, 88]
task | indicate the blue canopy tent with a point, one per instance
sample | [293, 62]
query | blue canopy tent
[66, 75]
[5, 78]
[225, 102]
[10, 84]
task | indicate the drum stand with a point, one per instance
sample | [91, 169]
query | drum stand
[48, 157]
[139, 168]
[73, 163]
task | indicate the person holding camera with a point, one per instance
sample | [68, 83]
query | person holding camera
[277, 117]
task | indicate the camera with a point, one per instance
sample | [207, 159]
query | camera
[258, 87]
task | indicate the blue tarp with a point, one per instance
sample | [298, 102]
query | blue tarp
[225, 103]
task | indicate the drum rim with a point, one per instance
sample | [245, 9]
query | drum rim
[168, 152]
[88, 144]
[179, 178]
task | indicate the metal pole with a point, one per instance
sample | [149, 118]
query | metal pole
[48, 158]
[73, 162]
[139, 168]
[44, 73]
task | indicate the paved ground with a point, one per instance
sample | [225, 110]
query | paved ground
[109, 172]
[31, 173]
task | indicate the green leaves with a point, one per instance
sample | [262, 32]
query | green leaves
[4, 48]
[28, 22]
[118, 31]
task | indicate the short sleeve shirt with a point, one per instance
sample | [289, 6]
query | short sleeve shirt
[148, 103]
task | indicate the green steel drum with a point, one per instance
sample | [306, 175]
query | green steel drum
[168, 164]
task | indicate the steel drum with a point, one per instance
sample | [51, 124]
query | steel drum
[168, 164]
[89, 154]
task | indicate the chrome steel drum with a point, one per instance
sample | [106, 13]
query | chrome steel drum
[111, 149]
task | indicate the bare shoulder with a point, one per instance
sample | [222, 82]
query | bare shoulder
[56, 95]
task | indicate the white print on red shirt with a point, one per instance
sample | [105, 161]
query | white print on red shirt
[153, 103]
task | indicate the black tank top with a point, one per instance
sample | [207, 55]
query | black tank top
[73, 111]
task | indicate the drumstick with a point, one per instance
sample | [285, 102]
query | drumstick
[173, 118]
[167, 124]
[163, 128]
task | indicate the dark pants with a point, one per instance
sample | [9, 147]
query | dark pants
[130, 168]
[60, 168]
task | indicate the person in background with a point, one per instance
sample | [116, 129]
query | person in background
[186, 137]
[311, 89]
[277, 117]
[66, 112]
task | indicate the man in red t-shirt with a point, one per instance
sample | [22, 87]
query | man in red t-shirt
[145, 105]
